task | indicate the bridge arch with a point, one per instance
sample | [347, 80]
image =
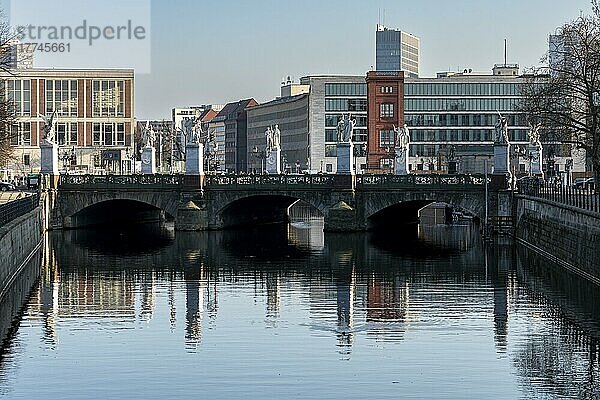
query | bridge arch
[98, 208]
[403, 207]
[243, 209]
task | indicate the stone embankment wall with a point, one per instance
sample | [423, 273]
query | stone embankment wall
[566, 235]
[19, 241]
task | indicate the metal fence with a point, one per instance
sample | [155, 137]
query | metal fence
[17, 208]
[586, 198]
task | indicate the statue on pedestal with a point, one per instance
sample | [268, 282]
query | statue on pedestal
[501, 130]
[534, 135]
[269, 140]
[49, 132]
[402, 137]
[148, 136]
[192, 130]
[276, 138]
[345, 129]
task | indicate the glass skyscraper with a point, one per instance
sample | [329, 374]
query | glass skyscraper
[397, 51]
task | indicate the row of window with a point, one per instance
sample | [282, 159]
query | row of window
[345, 104]
[345, 89]
[108, 97]
[331, 120]
[462, 89]
[358, 136]
[460, 105]
[107, 134]
[360, 150]
[464, 135]
[462, 119]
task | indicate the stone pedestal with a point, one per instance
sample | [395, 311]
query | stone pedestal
[49, 158]
[194, 159]
[345, 158]
[401, 162]
[536, 160]
[273, 162]
[501, 159]
[148, 161]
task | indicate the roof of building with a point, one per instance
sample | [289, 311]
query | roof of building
[80, 72]
[281, 100]
[232, 110]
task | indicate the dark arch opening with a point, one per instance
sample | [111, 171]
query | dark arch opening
[258, 210]
[407, 214]
[119, 212]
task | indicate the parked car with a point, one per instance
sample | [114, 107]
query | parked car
[5, 186]
[584, 183]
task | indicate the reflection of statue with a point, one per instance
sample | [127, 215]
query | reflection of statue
[269, 139]
[402, 136]
[148, 136]
[501, 130]
[276, 138]
[49, 127]
[345, 129]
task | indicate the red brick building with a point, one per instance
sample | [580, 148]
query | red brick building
[385, 98]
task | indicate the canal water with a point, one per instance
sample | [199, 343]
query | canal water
[289, 312]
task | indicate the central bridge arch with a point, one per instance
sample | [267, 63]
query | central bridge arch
[243, 209]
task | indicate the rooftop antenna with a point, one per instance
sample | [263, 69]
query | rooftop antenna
[505, 52]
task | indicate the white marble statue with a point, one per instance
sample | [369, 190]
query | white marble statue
[501, 130]
[402, 137]
[345, 129]
[269, 140]
[49, 122]
[148, 136]
[192, 129]
[276, 138]
[534, 135]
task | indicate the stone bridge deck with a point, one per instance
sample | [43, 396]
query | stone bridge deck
[220, 201]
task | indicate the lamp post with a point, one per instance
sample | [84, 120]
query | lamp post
[523, 152]
[260, 154]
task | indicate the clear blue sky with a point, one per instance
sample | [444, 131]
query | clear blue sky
[220, 51]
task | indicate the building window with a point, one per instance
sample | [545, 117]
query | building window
[108, 134]
[19, 93]
[386, 110]
[330, 150]
[386, 163]
[66, 133]
[108, 98]
[20, 134]
[345, 89]
[331, 135]
[328, 168]
[26, 160]
[386, 138]
[61, 96]
[387, 89]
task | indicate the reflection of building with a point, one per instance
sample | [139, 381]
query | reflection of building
[386, 300]
[94, 113]
[273, 294]
[397, 51]
[385, 94]
[194, 302]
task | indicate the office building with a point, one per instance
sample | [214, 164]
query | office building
[290, 113]
[229, 130]
[332, 96]
[453, 116]
[397, 51]
[385, 94]
[94, 114]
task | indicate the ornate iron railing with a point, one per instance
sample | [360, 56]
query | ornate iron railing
[419, 181]
[585, 197]
[94, 182]
[268, 182]
[17, 208]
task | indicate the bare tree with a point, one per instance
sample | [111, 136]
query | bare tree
[8, 133]
[564, 96]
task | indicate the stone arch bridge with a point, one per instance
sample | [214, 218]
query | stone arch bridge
[347, 203]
